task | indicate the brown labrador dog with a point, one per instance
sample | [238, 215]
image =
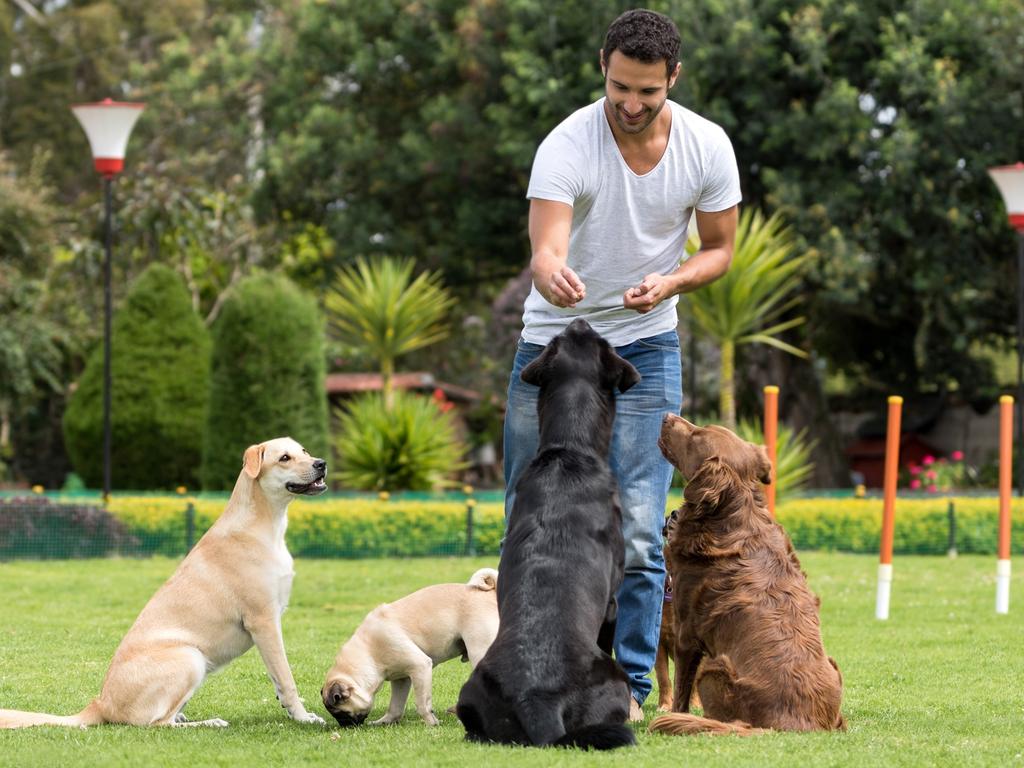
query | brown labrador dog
[740, 597]
[667, 639]
[666, 643]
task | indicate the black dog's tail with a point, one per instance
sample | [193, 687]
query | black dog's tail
[602, 736]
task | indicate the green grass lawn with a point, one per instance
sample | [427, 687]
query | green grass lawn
[941, 683]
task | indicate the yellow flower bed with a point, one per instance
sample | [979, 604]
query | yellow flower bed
[361, 527]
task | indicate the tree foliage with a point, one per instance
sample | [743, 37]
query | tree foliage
[749, 304]
[160, 362]
[870, 126]
[267, 375]
[298, 136]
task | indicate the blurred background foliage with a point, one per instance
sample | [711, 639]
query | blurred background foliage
[299, 137]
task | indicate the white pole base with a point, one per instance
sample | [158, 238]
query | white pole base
[1002, 586]
[884, 590]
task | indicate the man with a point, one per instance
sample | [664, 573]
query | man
[611, 196]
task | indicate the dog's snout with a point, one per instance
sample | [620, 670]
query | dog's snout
[320, 465]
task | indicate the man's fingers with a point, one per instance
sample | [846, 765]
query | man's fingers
[567, 291]
[573, 281]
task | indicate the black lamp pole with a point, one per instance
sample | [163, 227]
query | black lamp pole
[107, 124]
[107, 313]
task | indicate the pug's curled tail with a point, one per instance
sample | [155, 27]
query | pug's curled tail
[486, 579]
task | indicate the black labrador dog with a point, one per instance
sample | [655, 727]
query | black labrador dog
[549, 678]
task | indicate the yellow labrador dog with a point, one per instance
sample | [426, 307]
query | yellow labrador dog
[227, 594]
[403, 641]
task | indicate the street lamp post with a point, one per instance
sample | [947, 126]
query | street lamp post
[1010, 181]
[107, 124]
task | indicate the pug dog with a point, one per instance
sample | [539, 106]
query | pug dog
[403, 641]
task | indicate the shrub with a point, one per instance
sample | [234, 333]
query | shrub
[411, 446]
[792, 456]
[35, 527]
[360, 527]
[160, 362]
[267, 377]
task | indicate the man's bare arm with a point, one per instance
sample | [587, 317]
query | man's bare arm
[550, 223]
[717, 237]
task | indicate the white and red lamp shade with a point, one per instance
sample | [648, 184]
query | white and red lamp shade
[108, 124]
[1010, 181]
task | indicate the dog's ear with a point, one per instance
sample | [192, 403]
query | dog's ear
[253, 460]
[628, 376]
[764, 466]
[708, 485]
[623, 374]
[534, 372]
[336, 693]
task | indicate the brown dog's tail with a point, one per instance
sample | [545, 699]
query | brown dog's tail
[680, 724]
[486, 579]
[13, 718]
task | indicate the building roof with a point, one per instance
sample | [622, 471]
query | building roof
[349, 383]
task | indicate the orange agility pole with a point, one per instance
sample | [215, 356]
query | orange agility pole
[892, 463]
[771, 432]
[1005, 485]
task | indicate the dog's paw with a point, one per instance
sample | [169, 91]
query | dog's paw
[386, 720]
[309, 717]
[431, 719]
[216, 722]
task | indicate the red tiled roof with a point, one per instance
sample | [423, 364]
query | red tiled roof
[346, 383]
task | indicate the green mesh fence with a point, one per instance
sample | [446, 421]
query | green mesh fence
[455, 524]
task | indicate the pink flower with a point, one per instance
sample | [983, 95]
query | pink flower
[915, 470]
[933, 488]
[915, 483]
[931, 474]
[929, 459]
[957, 455]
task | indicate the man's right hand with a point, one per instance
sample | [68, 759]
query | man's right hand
[550, 222]
[564, 288]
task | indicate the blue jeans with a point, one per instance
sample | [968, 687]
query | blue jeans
[643, 476]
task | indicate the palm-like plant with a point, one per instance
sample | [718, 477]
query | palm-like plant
[793, 450]
[744, 306]
[411, 446]
[379, 307]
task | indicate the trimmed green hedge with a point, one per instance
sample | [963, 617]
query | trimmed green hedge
[160, 378]
[343, 527]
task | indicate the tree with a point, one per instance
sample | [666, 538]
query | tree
[378, 306]
[410, 127]
[267, 375]
[870, 126]
[747, 305]
[160, 363]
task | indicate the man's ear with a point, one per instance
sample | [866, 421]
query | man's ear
[604, 67]
[253, 460]
[675, 75]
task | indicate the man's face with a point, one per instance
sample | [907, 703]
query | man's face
[636, 92]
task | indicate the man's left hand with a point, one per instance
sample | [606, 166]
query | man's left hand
[650, 293]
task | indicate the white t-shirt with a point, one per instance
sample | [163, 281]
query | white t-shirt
[626, 226]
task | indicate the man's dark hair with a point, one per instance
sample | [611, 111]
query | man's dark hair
[644, 35]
